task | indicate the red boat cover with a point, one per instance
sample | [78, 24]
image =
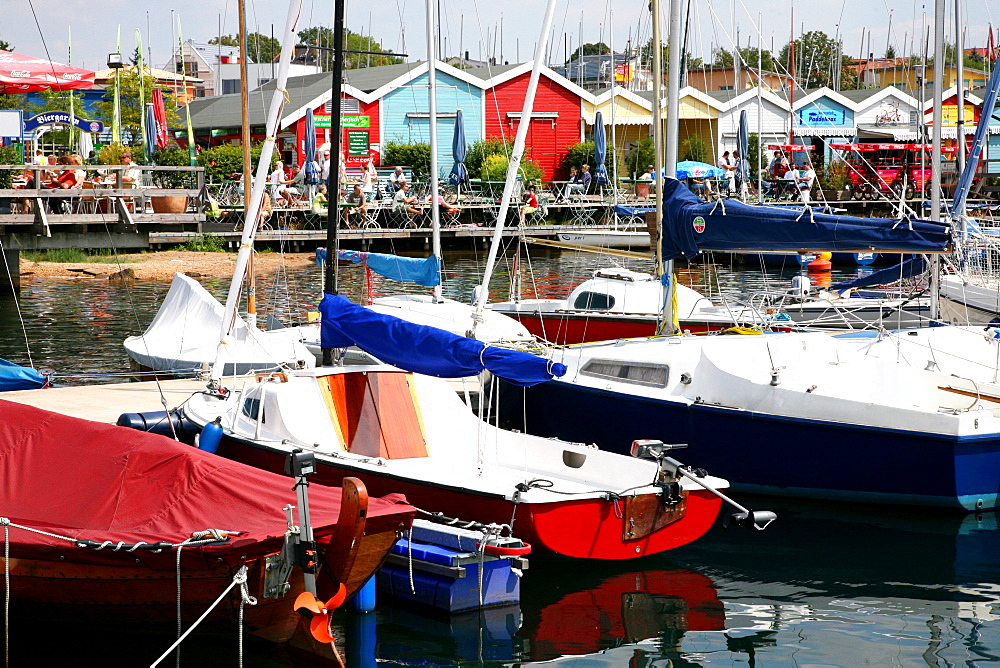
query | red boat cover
[25, 74]
[88, 480]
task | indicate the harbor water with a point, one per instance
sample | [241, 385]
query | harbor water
[826, 585]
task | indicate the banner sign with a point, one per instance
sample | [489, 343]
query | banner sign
[357, 142]
[53, 117]
[821, 117]
[323, 121]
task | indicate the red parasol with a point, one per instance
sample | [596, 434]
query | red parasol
[160, 114]
[24, 74]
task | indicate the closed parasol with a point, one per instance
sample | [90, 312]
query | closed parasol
[600, 150]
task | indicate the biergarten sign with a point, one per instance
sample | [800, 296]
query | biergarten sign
[63, 118]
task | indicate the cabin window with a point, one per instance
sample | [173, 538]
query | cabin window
[653, 375]
[251, 407]
[594, 301]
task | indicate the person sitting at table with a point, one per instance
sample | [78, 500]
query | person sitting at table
[320, 204]
[447, 210]
[700, 187]
[648, 179]
[402, 203]
[25, 182]
[579, 182]
[66, 179]
[359, 205]
[530, 203]
[280, 192]
[397, 179]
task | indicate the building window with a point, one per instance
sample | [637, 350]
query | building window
[638, 373]
[230, 86]
[725, 87]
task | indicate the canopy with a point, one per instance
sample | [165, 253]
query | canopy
[93, 481]
[459, 173]
[600, 150]
[17, 377]
[789, 147]
[24, 74]
[425, 350]
[690, 226]
[422, 271]
[691, 169]
[912, 267]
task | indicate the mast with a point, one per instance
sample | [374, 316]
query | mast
[253, 210]
[654, 7]
[959, 89]
[333, 181]
[432, 109]
[666, 325]
[936, 148]
[245, 141]
[515, 162]
[614, 102]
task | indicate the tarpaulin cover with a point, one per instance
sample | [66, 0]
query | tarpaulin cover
[25, 74]
[691, 169]
[691, 225]
[88, 480]
[422, 271]
[912, 267]
[426, 350]
[635, 211]
[17, 377]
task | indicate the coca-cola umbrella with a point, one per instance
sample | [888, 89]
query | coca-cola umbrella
[25, 74]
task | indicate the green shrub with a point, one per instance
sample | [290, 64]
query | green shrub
[111, 154]
[641, 157]
[228, 161]
[416, 156]
[579, 155]
[208, 243]
[9, 155]
[481, 148]
[172, 157]
[495, 169]
[694, 149]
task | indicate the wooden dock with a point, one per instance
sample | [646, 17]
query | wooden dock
[104, 403]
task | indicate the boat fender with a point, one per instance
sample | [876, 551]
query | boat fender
[211, 436]
[505, 550]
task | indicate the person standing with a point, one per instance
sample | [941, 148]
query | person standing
[728, 167]
[804, 177]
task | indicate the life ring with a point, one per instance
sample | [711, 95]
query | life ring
[500, 551]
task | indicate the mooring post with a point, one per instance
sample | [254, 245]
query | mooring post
[12, 285]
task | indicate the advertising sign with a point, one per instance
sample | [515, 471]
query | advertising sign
[52, 117]
[821, 117]
[323, 121]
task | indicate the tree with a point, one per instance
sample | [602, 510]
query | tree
[323, 37]
[260, 48]
[815, 53]
[748, 58]
[688, 60]
[890, 52]
[590, 49]
[132, 106]
[10, 101]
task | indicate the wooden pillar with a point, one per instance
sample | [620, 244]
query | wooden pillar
[12, 258]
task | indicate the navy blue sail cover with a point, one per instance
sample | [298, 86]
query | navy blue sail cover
[17, 377]
[426, 350]
[691, 226]
[912, 267]
[424, 271]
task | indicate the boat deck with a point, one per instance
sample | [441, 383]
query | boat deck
[104, 403]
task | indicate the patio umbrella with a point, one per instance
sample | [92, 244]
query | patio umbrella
[459, 173]
[692, 169]
[25, 74]
[309, 148]
[160, 114]
[149, 140]
[743, 146]
[84, 144]
[600, 150]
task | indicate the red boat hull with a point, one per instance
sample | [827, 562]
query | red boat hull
[567, 328]
[591, 528]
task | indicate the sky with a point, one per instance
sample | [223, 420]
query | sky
[45, 28]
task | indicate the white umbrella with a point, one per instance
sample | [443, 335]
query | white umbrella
[84, 145]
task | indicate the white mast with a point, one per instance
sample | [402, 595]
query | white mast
[432, 109]
[936, 147]
[673, 129]
[515, 162]
[256, 195]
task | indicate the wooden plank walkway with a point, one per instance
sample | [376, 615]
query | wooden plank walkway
[104, 403]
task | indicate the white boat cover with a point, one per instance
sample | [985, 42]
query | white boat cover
[185, 335]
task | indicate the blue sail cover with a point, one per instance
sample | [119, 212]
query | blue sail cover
[600, 150]
[912, 267]
[691, 225]
[426, 350]
[17, 377]
[422, 271]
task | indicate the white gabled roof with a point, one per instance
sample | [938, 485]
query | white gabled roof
[824, 91]
[618, 91]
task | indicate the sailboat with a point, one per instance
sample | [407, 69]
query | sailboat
[146, 529]
[402, 428]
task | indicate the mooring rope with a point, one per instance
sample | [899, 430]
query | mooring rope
[239, 578]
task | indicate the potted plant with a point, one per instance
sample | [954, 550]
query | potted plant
[835, 181]
[176, 157]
